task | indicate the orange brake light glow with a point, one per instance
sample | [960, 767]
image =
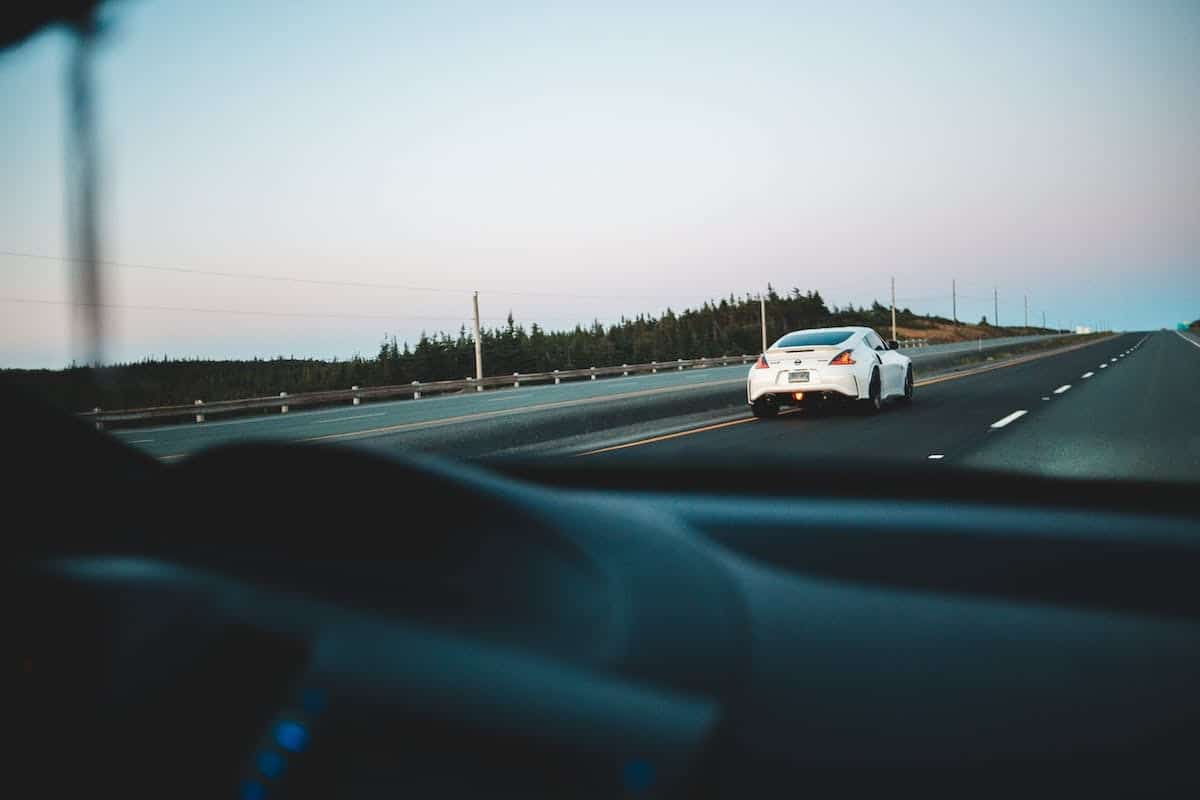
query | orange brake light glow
[842, 359]
[762, 363]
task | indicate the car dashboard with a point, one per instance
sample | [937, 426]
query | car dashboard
[297, 621]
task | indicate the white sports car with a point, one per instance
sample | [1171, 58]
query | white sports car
[823, 365]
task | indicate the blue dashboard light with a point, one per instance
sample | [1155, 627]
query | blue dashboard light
[269, 763]
[252, 790]
[291, 736]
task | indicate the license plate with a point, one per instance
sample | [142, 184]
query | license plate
[799, 376]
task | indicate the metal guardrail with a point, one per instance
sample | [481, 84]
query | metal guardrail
[910, 344]
[417, 389]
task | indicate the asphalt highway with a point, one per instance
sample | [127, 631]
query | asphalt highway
[1123, 407]
[547, 418]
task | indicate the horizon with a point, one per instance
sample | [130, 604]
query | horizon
[356, 175]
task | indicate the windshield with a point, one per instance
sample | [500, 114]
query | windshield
[533, 231]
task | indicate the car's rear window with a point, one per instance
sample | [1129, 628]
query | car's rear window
[810, 338]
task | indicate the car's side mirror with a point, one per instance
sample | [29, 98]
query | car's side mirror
[893, 344]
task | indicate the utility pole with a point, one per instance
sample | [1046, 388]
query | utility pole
[995, 306]
[893, 308]
[478, 347]
[954, 300]
[1026, 311]
[762, 317]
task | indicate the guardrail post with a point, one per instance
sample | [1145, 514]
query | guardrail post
[625, 367]
[593, 373]
[557, 380]
[478, 388]
[357, 399]
[416, 390]
[654, 367]
[99, 424]
[283, 408]
[516, 380]
[680, 362]
[199, 416]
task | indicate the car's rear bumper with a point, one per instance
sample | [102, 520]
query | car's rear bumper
[777, 384]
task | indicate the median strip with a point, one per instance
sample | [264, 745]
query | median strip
[509, 412]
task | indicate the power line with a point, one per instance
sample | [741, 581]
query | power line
[573, 320]
[312, 281]
[239, 312]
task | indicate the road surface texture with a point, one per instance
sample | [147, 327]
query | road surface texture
[541, 418]
[1124, 407]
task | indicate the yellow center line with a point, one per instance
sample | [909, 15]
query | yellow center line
[664, 437]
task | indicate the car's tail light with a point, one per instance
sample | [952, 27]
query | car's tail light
[762, 362]
[842, 359]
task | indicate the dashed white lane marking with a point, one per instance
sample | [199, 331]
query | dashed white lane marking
[936, 456]
[1104, 366]
[1087, 374]
[345, 419]
[1113, 359]
[1047, 397]
[1016, 415]
[1062, 388]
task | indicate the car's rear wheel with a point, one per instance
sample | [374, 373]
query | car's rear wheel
[765, 407]
[908, 386]
[874, 402]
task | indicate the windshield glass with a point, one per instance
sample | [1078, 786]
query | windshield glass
[489, 230]
[810, 338]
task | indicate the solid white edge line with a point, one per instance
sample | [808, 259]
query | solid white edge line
[1016, 415]
[1062, 388]
[1192, 342]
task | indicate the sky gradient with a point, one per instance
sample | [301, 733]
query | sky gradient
[580, 161]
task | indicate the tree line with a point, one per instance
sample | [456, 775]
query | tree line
[726, 327]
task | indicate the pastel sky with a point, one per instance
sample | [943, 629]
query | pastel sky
[579, 161]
